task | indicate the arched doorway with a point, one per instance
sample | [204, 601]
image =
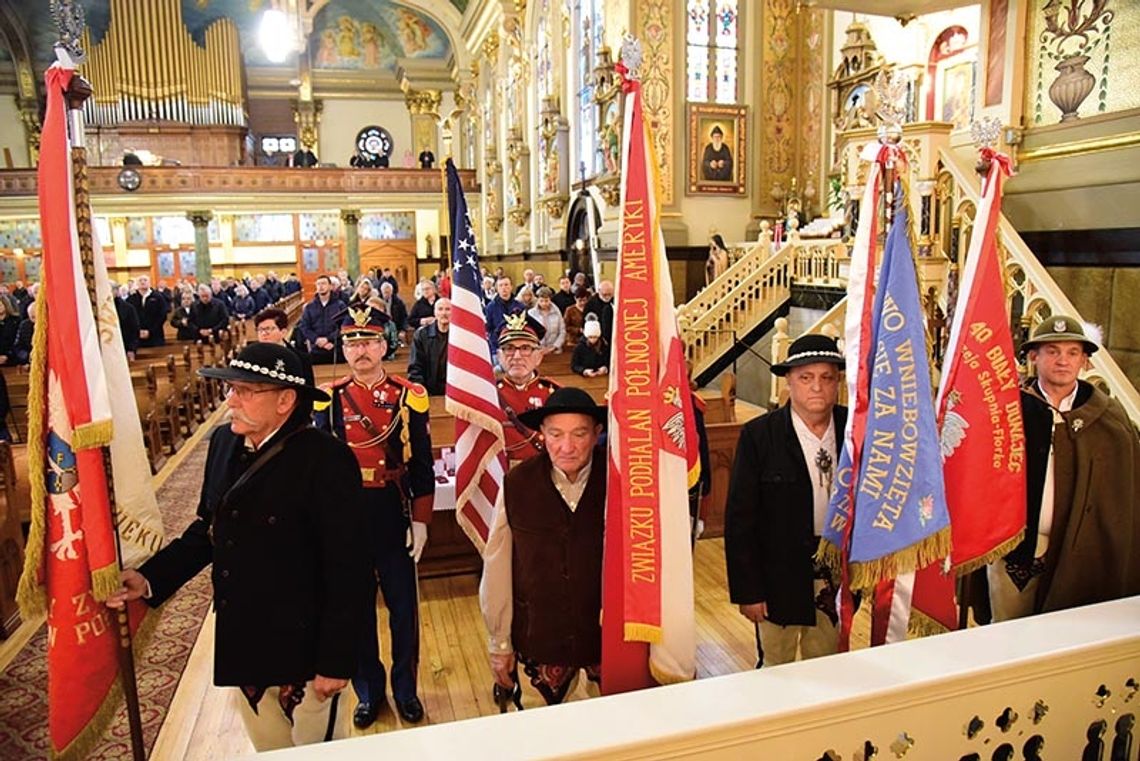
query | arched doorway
[576, 252]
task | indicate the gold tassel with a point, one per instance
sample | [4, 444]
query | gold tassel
[30, 593]
[1000, 551]
[643, 633]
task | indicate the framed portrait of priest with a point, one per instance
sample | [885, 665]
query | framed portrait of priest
[717, 149]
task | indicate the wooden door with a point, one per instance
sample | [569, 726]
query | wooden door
[172, 265]
[397, 255]
[314, 261]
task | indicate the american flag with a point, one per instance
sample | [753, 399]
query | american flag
[471, 394]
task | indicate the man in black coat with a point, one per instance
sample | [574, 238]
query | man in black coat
[150, 306]
[428, 363]
[128, 325]
[208, 315]
[781, 484]
[281, 519]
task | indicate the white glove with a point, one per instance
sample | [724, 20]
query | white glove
[417, 540]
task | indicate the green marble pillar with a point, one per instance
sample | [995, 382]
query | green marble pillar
[351, 217]
[203, 267]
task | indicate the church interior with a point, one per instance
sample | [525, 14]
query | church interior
[234, 137]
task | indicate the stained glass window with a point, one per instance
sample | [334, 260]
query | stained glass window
[712, 50]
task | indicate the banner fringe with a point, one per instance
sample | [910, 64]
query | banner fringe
[830, 556]
[31, 593]
[105, 581]
[922, 625]
[996, 553]
[919, 555]
[95, 434]
[642, 633]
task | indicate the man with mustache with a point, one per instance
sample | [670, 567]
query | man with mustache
[384, 420]
[521, 388]
[281, 520]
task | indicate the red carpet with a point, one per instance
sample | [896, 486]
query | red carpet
[23, 685]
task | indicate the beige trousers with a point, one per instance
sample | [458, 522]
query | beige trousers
[1007, 602]
[269, 728]
[780, 643]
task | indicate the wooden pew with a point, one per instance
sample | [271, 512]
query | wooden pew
[14, 509]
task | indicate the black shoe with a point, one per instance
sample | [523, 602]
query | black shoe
[365, 714]
[411, 710]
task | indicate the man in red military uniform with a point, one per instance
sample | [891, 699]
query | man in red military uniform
[384, 421]
[521, 388]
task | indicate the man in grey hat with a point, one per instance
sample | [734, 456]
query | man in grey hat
[1082, 536]
[281, 521]
[541, 593]
[777, 504]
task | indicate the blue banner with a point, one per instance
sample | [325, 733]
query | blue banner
[900, 517]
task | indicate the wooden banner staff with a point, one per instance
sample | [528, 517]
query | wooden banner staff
[69, 20]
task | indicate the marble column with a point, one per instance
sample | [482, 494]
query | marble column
[204, 269]
[351, 219]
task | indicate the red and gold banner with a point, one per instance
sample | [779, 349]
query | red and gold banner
[71, 565]
[648, 631]
[979, 402]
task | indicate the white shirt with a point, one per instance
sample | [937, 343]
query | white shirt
[1045, 522]
[821, 483]
[496, 597]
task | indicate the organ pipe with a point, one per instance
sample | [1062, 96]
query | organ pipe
[147, 68]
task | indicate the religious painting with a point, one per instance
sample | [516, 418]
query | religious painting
[354, 34]
[958, 94]
[717, 149]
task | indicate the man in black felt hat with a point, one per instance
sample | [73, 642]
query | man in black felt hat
[384, 420]
[541, 593]
[1082, 468]
[281, 520]
[777, 504]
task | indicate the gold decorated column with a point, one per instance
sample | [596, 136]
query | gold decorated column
[423, 106]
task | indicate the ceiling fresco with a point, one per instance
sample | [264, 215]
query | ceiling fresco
[347, 34]
[364, 34]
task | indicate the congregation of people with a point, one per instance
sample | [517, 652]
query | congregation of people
[266, 496]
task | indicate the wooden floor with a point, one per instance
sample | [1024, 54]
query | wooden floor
[454, 678]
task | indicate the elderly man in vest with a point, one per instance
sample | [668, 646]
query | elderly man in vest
[541, 592]
[1082, 536]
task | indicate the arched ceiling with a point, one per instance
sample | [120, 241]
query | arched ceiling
[347, 34]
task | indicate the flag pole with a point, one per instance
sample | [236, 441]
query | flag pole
[70, 20]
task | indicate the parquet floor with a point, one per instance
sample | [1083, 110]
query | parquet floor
[454, 677]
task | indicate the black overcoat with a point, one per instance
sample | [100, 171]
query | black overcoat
[290, 568]
[769, 539]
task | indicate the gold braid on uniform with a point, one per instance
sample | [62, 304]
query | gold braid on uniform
[405, 433]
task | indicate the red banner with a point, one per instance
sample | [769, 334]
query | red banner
[71, 565]
[648, 630]
[979, 403]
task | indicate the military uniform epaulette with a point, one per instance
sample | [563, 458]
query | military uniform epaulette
[415, 396]
[328, 388]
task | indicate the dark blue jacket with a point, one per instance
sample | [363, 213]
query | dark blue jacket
[497, 313]
[321, 320]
